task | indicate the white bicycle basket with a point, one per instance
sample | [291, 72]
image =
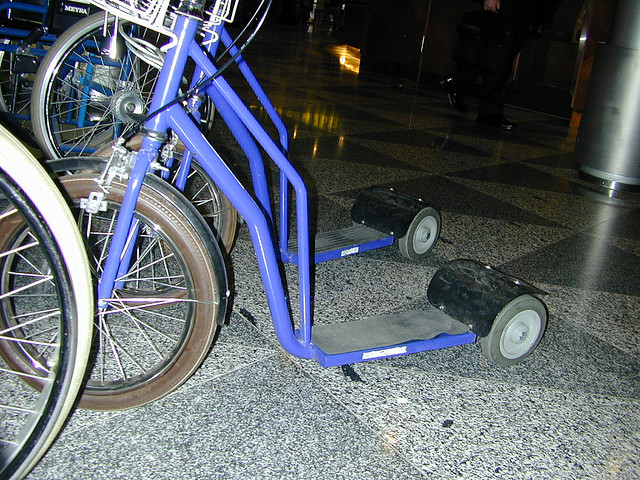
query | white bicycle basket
[157, 14]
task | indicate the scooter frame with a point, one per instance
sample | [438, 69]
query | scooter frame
[299, 338]
[257, 213]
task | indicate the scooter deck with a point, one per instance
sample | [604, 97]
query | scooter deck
[341, 243]
[387, 336]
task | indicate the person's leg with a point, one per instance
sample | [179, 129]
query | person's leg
[497, 70]
[468, 57]
[457, 85]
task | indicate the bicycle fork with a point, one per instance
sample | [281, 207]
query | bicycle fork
[152, 140]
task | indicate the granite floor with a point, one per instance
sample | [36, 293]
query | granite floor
[512, 200]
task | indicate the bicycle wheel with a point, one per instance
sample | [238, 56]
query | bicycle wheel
[81, 97]
[161, 319]
[46, 309]
[213, 205]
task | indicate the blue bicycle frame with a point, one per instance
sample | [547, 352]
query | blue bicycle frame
[19, 33]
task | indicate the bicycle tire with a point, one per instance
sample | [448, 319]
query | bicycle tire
[172, 314]
[216, 209]
[54, 254]
[80, 97]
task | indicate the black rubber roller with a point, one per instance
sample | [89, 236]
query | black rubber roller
[474, 294]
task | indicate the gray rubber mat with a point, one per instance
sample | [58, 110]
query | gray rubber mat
[384, 330]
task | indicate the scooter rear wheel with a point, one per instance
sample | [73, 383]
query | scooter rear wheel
[421, 235]
[516, 331]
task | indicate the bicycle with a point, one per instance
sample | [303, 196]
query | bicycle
[46, 309]
[111, 90]
[77, 91]
[27, 28]
[84, 97]
[507, 320]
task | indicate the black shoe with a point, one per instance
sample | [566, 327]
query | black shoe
[496, 121]
[455, 97]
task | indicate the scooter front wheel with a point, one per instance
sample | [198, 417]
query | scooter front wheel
[164, 311]
[516, 331]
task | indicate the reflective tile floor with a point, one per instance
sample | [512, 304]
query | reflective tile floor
[512, 200]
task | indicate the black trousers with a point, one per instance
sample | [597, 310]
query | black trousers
[483, 67]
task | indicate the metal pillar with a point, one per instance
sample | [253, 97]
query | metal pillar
[608, 144]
